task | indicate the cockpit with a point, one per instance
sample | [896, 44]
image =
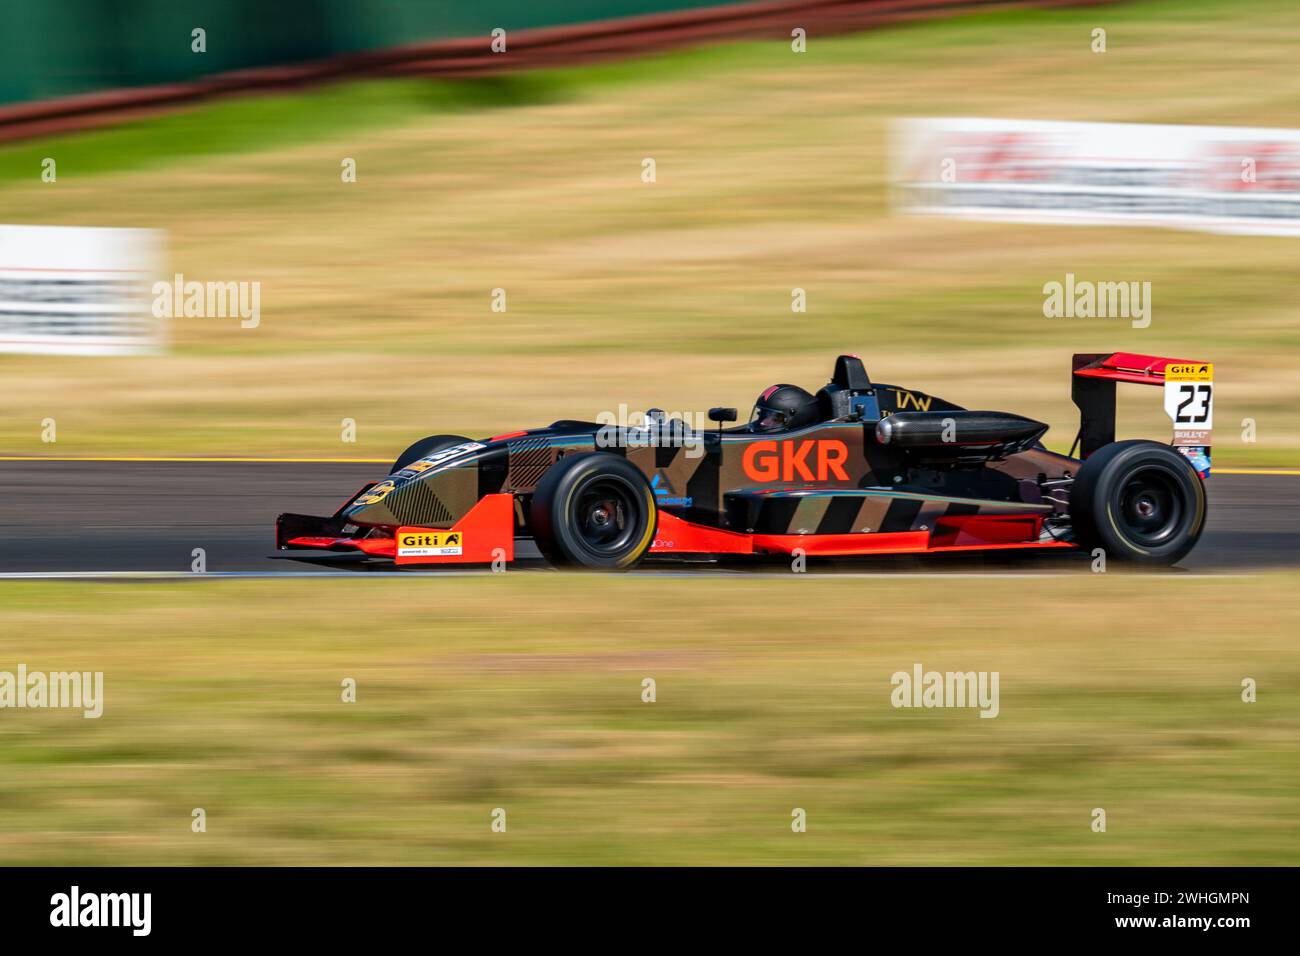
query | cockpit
[782, 408]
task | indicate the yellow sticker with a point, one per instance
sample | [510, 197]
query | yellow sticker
[428, 544]
[1189, 372]
[376, 494]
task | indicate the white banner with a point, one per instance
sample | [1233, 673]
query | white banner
[79, 291]
[1213, 178]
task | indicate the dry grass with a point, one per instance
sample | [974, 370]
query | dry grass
[771, 175]
[524, 692]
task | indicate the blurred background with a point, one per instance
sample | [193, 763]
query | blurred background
[140, 42]
[771, 174]
[524, 692]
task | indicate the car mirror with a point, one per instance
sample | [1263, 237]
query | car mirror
[721, 415]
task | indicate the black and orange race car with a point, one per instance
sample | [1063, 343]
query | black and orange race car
[859, 468]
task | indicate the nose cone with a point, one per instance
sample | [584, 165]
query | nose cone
[431, 492]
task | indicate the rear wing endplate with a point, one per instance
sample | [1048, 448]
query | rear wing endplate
[1189, 399]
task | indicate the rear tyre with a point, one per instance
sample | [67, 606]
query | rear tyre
[1140, 501]
[426, 446]
[594, 510]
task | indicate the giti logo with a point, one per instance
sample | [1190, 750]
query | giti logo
[429, 544]
[431, 540]
[818, 459]
[1189, 372]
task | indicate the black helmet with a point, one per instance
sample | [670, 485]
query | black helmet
[783, 407]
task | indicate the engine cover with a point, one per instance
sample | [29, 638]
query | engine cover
[958, 437]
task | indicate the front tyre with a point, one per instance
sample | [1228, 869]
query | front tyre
[1140, 501]
[594, 510]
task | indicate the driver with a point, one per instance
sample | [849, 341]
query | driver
[782, 408]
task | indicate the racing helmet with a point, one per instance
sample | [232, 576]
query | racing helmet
[783, 407]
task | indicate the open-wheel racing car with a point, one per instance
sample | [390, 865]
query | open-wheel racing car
[859, 468]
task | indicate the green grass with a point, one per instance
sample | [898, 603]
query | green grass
[272, 120]
[524, 692]
[267, 121]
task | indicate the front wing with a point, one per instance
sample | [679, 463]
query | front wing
[483, 536]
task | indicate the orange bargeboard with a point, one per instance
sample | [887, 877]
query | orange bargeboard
[966, 533]
[485, 534]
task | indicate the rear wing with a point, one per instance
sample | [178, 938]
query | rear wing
[1189, 399]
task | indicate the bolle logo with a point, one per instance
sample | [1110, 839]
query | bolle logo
[817, 459]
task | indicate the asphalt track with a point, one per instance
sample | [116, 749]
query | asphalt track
[148, 516]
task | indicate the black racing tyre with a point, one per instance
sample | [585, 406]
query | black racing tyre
[594, 510]
[1139, 501]
[426, 446]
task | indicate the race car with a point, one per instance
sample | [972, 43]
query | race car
[858, 468]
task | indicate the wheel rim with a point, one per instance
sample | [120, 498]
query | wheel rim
[605, 515]
[1150, 506]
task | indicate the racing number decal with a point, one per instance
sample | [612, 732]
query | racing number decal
[1189, 395]
[1200, 415]
[378, 493]
[813, 460]
[1189, 401]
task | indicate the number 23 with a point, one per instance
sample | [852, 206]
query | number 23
[1202, 411]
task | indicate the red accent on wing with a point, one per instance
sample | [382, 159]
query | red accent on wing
[507, 435]
[1131, 367]
[380, 547]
